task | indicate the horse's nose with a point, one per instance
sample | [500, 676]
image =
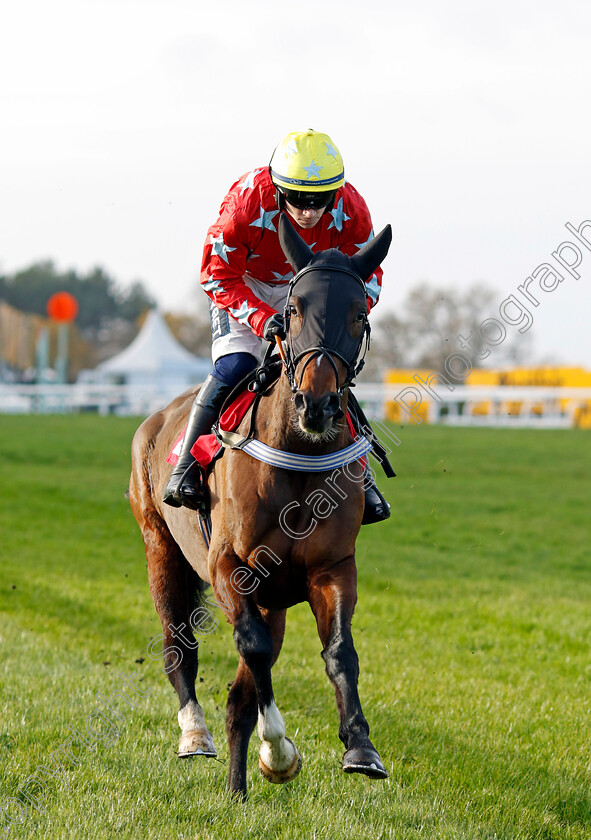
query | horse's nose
[323, 408]
[331, 404]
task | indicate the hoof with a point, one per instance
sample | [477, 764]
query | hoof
[279, 777]
[364, 760]
[196, 742]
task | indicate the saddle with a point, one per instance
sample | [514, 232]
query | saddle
[207, 448]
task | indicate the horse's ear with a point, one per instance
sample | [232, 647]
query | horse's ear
[373, 253]
[298, 253]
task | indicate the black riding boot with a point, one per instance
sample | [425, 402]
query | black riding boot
[181, 489]
[376, 507]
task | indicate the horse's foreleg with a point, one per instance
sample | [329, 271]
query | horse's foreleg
[242, 713]
[333, 594]
[279, 759]
[173, 585]
[258, 637]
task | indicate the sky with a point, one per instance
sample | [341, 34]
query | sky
[465, 125]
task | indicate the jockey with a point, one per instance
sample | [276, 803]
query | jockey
[246, 275]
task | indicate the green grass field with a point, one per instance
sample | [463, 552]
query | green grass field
[472, 628]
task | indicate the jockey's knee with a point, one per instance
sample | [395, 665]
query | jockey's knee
[233, 367]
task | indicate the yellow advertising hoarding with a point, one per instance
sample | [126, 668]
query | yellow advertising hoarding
[548, 377]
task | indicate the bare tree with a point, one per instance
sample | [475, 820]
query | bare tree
[440, 322]
[387, 346]
[435, 323]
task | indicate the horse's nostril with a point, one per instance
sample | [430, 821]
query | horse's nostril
[330, 404]
[300, 402]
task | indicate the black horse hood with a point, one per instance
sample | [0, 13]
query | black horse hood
[326, 292]
[327, 285]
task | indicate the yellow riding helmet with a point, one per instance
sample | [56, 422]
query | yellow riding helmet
[307, 161]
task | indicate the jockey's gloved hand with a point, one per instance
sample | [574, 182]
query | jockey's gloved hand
[275, 325]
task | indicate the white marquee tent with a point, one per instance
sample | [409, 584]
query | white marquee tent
[156, 361]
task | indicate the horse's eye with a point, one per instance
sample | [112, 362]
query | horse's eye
[361, 317]
[293, 310]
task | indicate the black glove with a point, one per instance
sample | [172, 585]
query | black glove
[275, 325]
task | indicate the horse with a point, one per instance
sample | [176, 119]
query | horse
[274, 539]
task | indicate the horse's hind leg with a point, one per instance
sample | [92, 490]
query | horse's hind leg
[241, 715]
[332, 596]
[173, 585]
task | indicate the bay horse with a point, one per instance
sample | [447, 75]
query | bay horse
[275, 539]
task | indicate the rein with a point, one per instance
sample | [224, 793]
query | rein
[318, 353]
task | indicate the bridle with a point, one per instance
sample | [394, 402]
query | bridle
[353, 360]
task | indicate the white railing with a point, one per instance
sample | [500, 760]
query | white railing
[539, 406]
[69, 399]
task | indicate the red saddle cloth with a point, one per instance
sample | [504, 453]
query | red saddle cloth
[206, 447]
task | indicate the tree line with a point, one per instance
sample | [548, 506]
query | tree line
[107, 319]
[100, 298]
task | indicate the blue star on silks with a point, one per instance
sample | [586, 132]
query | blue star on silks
[339, 217]
[282, 278]
[371, 236]
[213, 286]
[248, 182]
[313, 170]
[243, 313]
[372, 288]
[219, 247]
[330, 150]
[265, 221]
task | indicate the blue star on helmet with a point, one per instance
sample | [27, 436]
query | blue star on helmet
[219, 247]
[291, 148]
[339, 217]
[248, 182]
[372, 288]
[213, 286]
[330, 150]
[360, 245]
[282, 278]
[243, 313]
[313, 170]
[265, 220]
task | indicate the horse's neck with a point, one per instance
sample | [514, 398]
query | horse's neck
[277, 424]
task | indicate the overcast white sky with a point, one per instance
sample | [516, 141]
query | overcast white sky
[466, 125]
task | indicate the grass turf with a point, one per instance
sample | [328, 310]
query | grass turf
[472, 630]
